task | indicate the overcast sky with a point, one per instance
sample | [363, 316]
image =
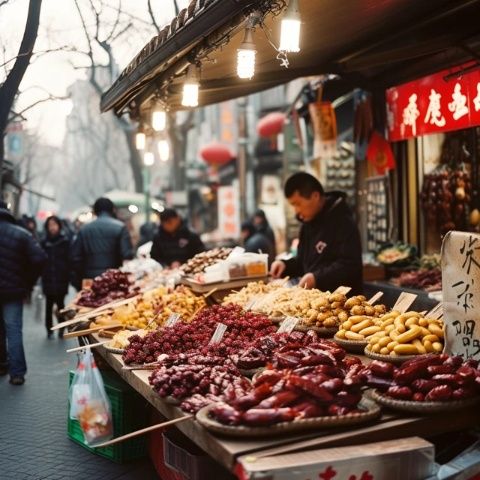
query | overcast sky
[54, 72]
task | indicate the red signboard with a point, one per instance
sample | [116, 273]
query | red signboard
[438, 103]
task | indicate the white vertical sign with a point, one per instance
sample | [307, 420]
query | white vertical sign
[461, 293]
[228, 212]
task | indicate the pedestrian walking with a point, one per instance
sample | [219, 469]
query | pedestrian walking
[102, 244]
[56, 273]
[21, 263]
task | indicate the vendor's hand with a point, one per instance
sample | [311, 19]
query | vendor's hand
[175, 265]
[308, 281]
[277, 268]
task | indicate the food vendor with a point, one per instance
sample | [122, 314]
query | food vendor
[174, 243]
[329, 250]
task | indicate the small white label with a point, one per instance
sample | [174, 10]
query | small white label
[404, 301]
[288, 325]
[249, 306]
[218, 334]
[343, 290]
[172, 320]
[436, 312]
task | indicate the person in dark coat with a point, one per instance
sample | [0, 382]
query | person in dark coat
[174, 243]
[102, 244]
[261, 223]
[329, 249]
[21, 262]
[256, 242]
[56, 274]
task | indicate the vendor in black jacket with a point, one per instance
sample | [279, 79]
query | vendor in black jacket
[174, 243]
[329, 250]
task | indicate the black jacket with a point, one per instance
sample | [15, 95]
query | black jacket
[258, 242]
[178, 247]
[56, 273]
[21, 259]
[266, 230]
[102, 244]
[330, 248]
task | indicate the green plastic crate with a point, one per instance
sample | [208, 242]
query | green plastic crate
[129, 414]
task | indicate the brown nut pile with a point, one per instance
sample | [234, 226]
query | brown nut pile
[202, 260]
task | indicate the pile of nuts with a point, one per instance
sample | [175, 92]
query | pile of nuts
[202, 260]
[250, 292]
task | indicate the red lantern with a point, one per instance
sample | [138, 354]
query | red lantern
[271, 124]
[215, 153]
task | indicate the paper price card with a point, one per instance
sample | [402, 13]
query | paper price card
[172, 320]
[404, 301]
[375, 298]
[343, 290]
[461, 293]
[249, 306]
[218, 334]
[288, 325]
[436, 312]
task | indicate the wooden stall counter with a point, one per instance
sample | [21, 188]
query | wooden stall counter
[226, 450]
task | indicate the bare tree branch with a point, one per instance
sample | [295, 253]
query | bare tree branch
[33, 105]
[3, 2]
[152, 16]
[110, 36]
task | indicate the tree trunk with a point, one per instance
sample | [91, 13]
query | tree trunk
[135, 160]
[9, 88]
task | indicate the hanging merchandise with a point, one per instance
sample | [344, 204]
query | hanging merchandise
[379, 154]
[89, 403]
[324, 127]
[363, 123]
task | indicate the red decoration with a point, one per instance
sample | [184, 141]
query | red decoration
[380, 154]
[438, 103]
[216, 153]
[271, 124]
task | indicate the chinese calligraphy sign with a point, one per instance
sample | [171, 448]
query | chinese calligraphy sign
[461, 296]
[434, 104]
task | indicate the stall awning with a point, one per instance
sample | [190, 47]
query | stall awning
[369, 43]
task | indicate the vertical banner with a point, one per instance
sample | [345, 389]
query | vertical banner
[325, 129]
[228, 212]
[461, 293]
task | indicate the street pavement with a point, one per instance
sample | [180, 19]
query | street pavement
[33, 418]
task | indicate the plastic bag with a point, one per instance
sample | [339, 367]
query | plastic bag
[89, 403]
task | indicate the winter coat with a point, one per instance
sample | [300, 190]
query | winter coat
[330, 248]
[102, 244]
[21, 259]
[258, 242]
[177, 247]
[56, 273]
[266, 230]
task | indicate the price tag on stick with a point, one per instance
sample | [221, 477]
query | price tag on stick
[404, 302]
[343, 290]
[218, 334]
[172, 320]
[436, 312]
[288, 325]
[375, 298]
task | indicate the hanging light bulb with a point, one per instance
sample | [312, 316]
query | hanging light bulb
[140, 140]
[148, 159]
[246, 55]
[159, 119]
[290, 29]
[190, 88]
[163, 150]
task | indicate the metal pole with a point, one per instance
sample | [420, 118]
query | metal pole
[242, 155]
[146, 190]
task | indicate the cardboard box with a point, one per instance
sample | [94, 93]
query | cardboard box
[403, 459]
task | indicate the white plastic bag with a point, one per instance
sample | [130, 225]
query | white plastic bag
[89, 403]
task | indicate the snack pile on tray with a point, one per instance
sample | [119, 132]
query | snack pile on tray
[111, 285]
[430, 378]
[409, 333]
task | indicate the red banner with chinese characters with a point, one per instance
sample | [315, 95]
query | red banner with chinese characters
[438, 103]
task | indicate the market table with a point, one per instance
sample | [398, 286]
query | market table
[226, 450]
